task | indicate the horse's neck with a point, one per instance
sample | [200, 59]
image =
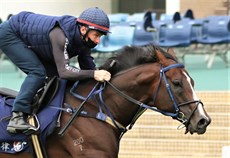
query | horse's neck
[134, 84]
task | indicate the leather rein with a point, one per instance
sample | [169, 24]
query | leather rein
[178, 114]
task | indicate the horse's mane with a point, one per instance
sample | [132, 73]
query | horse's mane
[131, 56]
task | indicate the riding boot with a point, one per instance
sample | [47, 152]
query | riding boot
[18, 124]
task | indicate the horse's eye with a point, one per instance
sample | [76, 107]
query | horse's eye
[176, 83]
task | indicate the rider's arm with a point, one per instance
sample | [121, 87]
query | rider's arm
[59, 44]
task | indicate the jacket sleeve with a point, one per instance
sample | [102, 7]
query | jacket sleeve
[59, 44]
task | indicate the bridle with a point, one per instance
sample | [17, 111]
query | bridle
[178, 114]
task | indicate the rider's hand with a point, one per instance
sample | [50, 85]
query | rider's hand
[102, 75]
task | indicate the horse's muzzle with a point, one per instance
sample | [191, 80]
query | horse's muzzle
[200, 127]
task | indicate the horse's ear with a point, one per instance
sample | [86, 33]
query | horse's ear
[171, 51]
[160, 57]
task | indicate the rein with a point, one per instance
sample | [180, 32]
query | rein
[142, 107]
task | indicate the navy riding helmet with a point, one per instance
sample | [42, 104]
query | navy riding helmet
[95, 19]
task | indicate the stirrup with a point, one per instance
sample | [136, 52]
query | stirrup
[33, 120]
[30, 131]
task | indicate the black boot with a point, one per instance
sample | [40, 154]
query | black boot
[18, 124]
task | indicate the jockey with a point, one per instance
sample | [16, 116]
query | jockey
[41, 46]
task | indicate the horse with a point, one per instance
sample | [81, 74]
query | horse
[143, 77]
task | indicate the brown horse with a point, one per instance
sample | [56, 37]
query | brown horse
[143, 78]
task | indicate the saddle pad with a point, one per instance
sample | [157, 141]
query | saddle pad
[13, 143]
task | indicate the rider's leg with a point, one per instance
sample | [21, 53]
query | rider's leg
[23, 57]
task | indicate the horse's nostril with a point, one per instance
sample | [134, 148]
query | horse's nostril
[202, 123]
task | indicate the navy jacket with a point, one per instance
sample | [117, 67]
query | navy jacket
[34, 30]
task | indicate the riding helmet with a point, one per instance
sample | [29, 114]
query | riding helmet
[95, 19]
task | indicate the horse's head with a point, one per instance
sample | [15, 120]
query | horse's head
[176, 89]
[156, 81]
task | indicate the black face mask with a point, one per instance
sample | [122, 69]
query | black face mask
[89, 43]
